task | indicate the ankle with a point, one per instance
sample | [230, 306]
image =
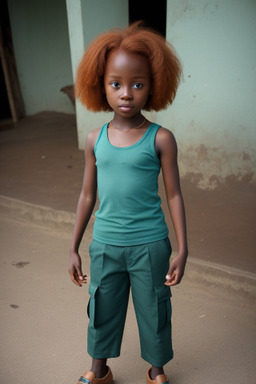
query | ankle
[99, 368]
[155, 371]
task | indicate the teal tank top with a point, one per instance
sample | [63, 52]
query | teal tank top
[130, 208]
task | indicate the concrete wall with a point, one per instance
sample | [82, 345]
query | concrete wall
[86, 20]
[41, 46]
[214, 114]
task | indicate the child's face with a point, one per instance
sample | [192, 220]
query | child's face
[127, 82]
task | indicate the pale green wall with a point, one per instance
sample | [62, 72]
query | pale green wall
[41, 45]
[87, 19]
[214, 114]
[99, 16]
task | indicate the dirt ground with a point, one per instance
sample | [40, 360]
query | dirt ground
[40, 164]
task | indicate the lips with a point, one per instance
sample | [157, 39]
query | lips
[125, 108]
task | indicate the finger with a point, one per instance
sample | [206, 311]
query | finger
[75, 281]
[75, 278]
[171, 279]
[174, 280]
[82, 279]
[170, 274]
[79, 272]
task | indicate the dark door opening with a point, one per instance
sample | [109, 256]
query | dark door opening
[153, 13]
[11, 98]
[5, 111]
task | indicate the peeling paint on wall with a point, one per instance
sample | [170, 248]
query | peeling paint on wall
[213, 116]
[209, 167]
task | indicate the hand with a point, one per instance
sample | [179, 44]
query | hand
[176, 271]
[75, 270]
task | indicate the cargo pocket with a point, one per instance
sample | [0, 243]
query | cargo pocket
[163, 294]
[91, 308]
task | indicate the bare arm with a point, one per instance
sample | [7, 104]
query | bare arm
[167, 150]
[85, 207]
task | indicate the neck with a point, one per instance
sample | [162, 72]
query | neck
[126, 127]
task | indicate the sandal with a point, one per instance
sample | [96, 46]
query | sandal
[89, 378]
[160, 379]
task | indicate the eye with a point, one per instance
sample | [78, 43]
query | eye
[137, 85]
[115, 84]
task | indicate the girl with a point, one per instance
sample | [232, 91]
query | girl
[126, 71]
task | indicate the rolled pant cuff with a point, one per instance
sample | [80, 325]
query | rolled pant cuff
[103, 355]
[157, 363]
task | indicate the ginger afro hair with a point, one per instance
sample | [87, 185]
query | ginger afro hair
[136, 39]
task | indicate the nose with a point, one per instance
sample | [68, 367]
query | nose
[126, 94]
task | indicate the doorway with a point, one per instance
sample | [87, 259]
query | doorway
[153, 13]
[11, 106]
[5, 111]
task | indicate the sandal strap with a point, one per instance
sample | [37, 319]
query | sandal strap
[83, 380]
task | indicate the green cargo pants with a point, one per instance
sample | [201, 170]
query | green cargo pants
[114, 270]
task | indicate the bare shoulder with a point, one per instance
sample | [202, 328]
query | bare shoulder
[92, 138]
[165, 140]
